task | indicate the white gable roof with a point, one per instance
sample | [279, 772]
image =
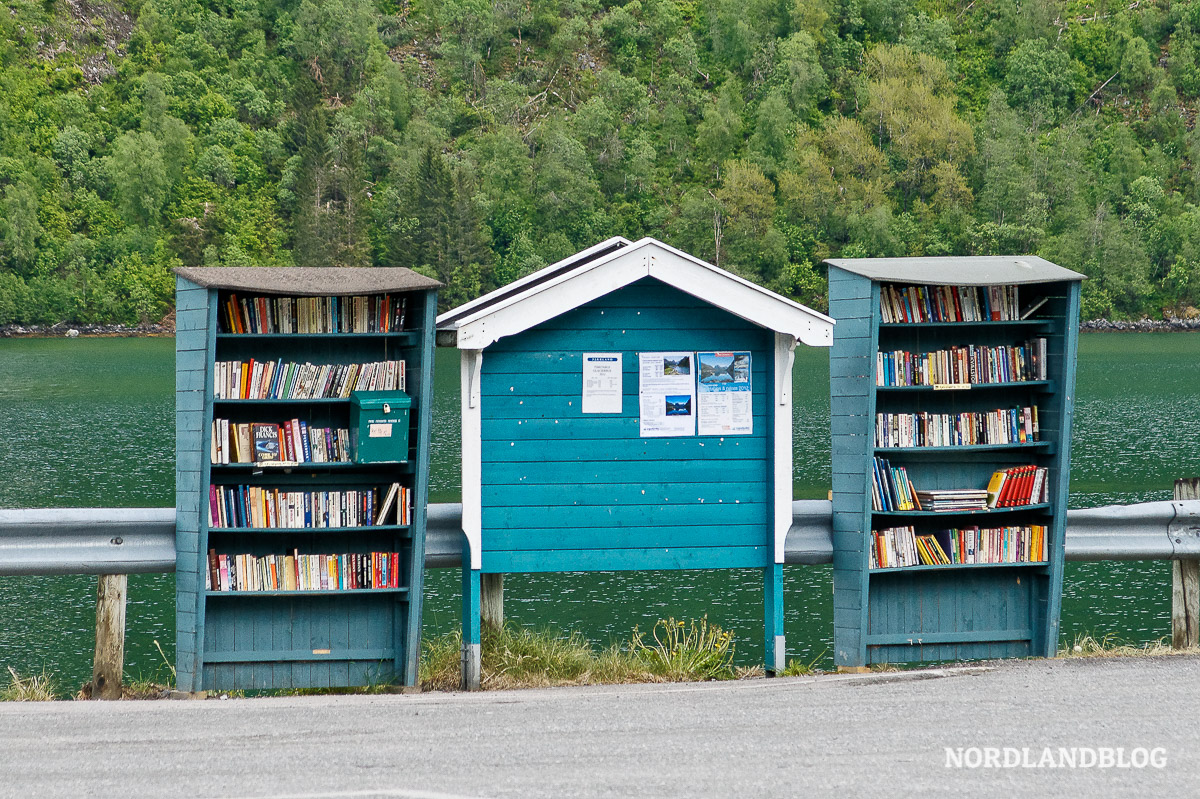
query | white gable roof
[562, 287]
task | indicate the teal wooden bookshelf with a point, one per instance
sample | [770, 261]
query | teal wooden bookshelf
[275, 636]
[985, 608]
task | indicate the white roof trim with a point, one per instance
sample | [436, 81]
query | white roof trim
[647, 258]
[519, 282]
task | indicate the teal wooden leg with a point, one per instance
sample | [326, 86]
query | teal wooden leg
[776, 650]
[470, 629]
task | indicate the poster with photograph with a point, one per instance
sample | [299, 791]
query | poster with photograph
[667, 394]
[602, 382]
[724, 394]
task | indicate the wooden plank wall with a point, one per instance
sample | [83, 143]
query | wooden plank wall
[191, 364]
[562, 491]
[852, 302]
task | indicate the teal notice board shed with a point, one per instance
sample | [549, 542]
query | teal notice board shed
[628, 408]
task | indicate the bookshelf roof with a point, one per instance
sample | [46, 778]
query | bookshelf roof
[308, 280]
[980, 270]
[614, 264]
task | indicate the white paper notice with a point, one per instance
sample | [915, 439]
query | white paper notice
[724, 394]
[602, 382]
[666, 394]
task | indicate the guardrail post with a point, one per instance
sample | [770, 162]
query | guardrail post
[1185, 584]
[109, 663]
[491, 600]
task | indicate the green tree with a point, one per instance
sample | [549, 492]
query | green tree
[19, 226]
[139, 175]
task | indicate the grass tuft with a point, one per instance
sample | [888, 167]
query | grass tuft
[518, 657]
[34, 688]
[1088, 645]
[798, 669]
[681, 651]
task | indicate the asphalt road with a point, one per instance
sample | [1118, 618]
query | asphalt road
[836, 735]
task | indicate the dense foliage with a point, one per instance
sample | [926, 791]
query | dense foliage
[477, 141]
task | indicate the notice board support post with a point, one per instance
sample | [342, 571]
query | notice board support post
[471, 656]
[776, 655]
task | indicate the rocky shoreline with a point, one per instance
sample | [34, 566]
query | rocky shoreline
[167, 328]
[65, 330]
[1140, 326]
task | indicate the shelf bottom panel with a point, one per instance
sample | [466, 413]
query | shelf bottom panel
[296, 655]
[969, 637]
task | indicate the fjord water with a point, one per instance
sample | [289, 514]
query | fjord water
[89, 423]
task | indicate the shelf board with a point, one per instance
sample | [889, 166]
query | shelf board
[1035, 445]
[986, 323]
[1041, 384]
[338, 592]
[401, 528]
[283, 401]
[308, 467]
[957, 566]
[930, 513]
[399, 334]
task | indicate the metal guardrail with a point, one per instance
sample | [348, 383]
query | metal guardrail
[87, 540]
[139, 540]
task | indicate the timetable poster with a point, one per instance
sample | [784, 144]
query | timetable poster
[601, 382]
[667, 394]
[724, 394]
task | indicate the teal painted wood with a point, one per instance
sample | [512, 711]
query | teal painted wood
[688, 449]
[616, 518]
[723, 557]
[423, 395]
[619, 494]
[615, 473]
[775, 653]
[470, 606]
[632, 537]
[273, 640]
[534, 435]
[564, 491]
[931, 613]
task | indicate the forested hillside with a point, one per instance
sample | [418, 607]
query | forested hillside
[477, 140]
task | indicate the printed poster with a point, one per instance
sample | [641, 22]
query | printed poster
[667, 394]
[602, 382]
[724, 394]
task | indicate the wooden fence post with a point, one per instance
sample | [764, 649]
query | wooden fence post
[1185, 584]
[491, 600]
[109, 663]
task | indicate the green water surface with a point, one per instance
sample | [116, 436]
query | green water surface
[89, 422]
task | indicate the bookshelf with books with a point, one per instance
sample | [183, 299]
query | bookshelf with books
[951, 403]
[300, 549]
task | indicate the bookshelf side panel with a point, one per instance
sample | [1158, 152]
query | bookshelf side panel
[853, 302]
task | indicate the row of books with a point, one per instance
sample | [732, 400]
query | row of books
[303, 381]
[259, 506]
[270, 444]
[924, 429]
[959, 365]
[897, 547]
[948, 303]
[1020, 485]
[295, 572]
[891, 490]
[376, 313]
